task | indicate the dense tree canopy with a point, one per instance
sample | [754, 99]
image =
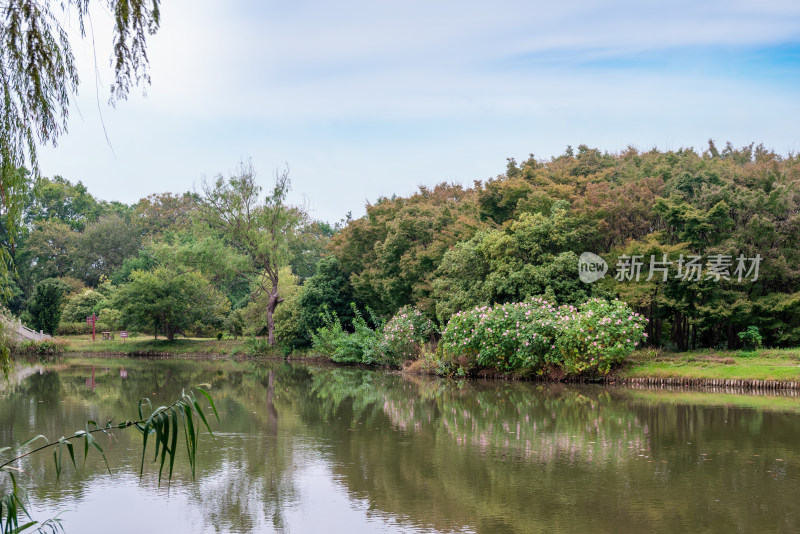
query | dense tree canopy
[59, 199]
[532, 256]
[170, 299]
[392, 253]
[103, 246]
[159, 213]
[534, 220]
[450, 248]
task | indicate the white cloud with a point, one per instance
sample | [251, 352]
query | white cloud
[371, 98]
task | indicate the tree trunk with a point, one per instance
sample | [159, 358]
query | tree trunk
[653, 327]
[655, 335]
[169, 330]
[731, 338]
[680, 331]
[272, 303]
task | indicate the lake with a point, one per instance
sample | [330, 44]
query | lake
[304, 448]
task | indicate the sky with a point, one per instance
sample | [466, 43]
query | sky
[363, 99]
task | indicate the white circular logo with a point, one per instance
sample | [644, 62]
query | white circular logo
[591, 267]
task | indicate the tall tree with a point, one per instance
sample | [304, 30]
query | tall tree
[45, 307]
[308, 246]
[13, 191]
[258, 229]
[201, 248]
[158, 213]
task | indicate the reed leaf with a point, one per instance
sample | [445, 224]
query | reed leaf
[163, 422]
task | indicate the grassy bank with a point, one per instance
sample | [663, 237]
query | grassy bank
[765, 364]
[178, 347]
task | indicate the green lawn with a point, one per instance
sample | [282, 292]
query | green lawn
[148, 345]
[766, 364]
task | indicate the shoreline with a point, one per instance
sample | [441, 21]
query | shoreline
[767, 370]
[707, 384]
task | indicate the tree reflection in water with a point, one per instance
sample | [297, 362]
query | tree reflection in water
[413, 454]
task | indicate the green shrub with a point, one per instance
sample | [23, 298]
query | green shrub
[326, 337]
[45, 350]
[751, 338]
[258, 346]
[73, 328]
[234, 323]
[80, 305]
[8, 344]
[77, 329]
[404, 336]
[536, 336]
[44, 309]
[360, 346]
[507, 337]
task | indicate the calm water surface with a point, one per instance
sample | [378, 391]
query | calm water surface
[313, 449]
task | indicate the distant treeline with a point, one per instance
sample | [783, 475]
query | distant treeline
[701, 217]
[520, 234]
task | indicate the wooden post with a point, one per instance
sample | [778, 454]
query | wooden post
[92, 319]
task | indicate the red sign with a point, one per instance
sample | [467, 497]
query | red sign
[123, 334]
[92, 319]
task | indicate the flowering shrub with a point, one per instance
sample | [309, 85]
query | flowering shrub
[599, 335]
[535, 335]
[404, 336]
[507, 337]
